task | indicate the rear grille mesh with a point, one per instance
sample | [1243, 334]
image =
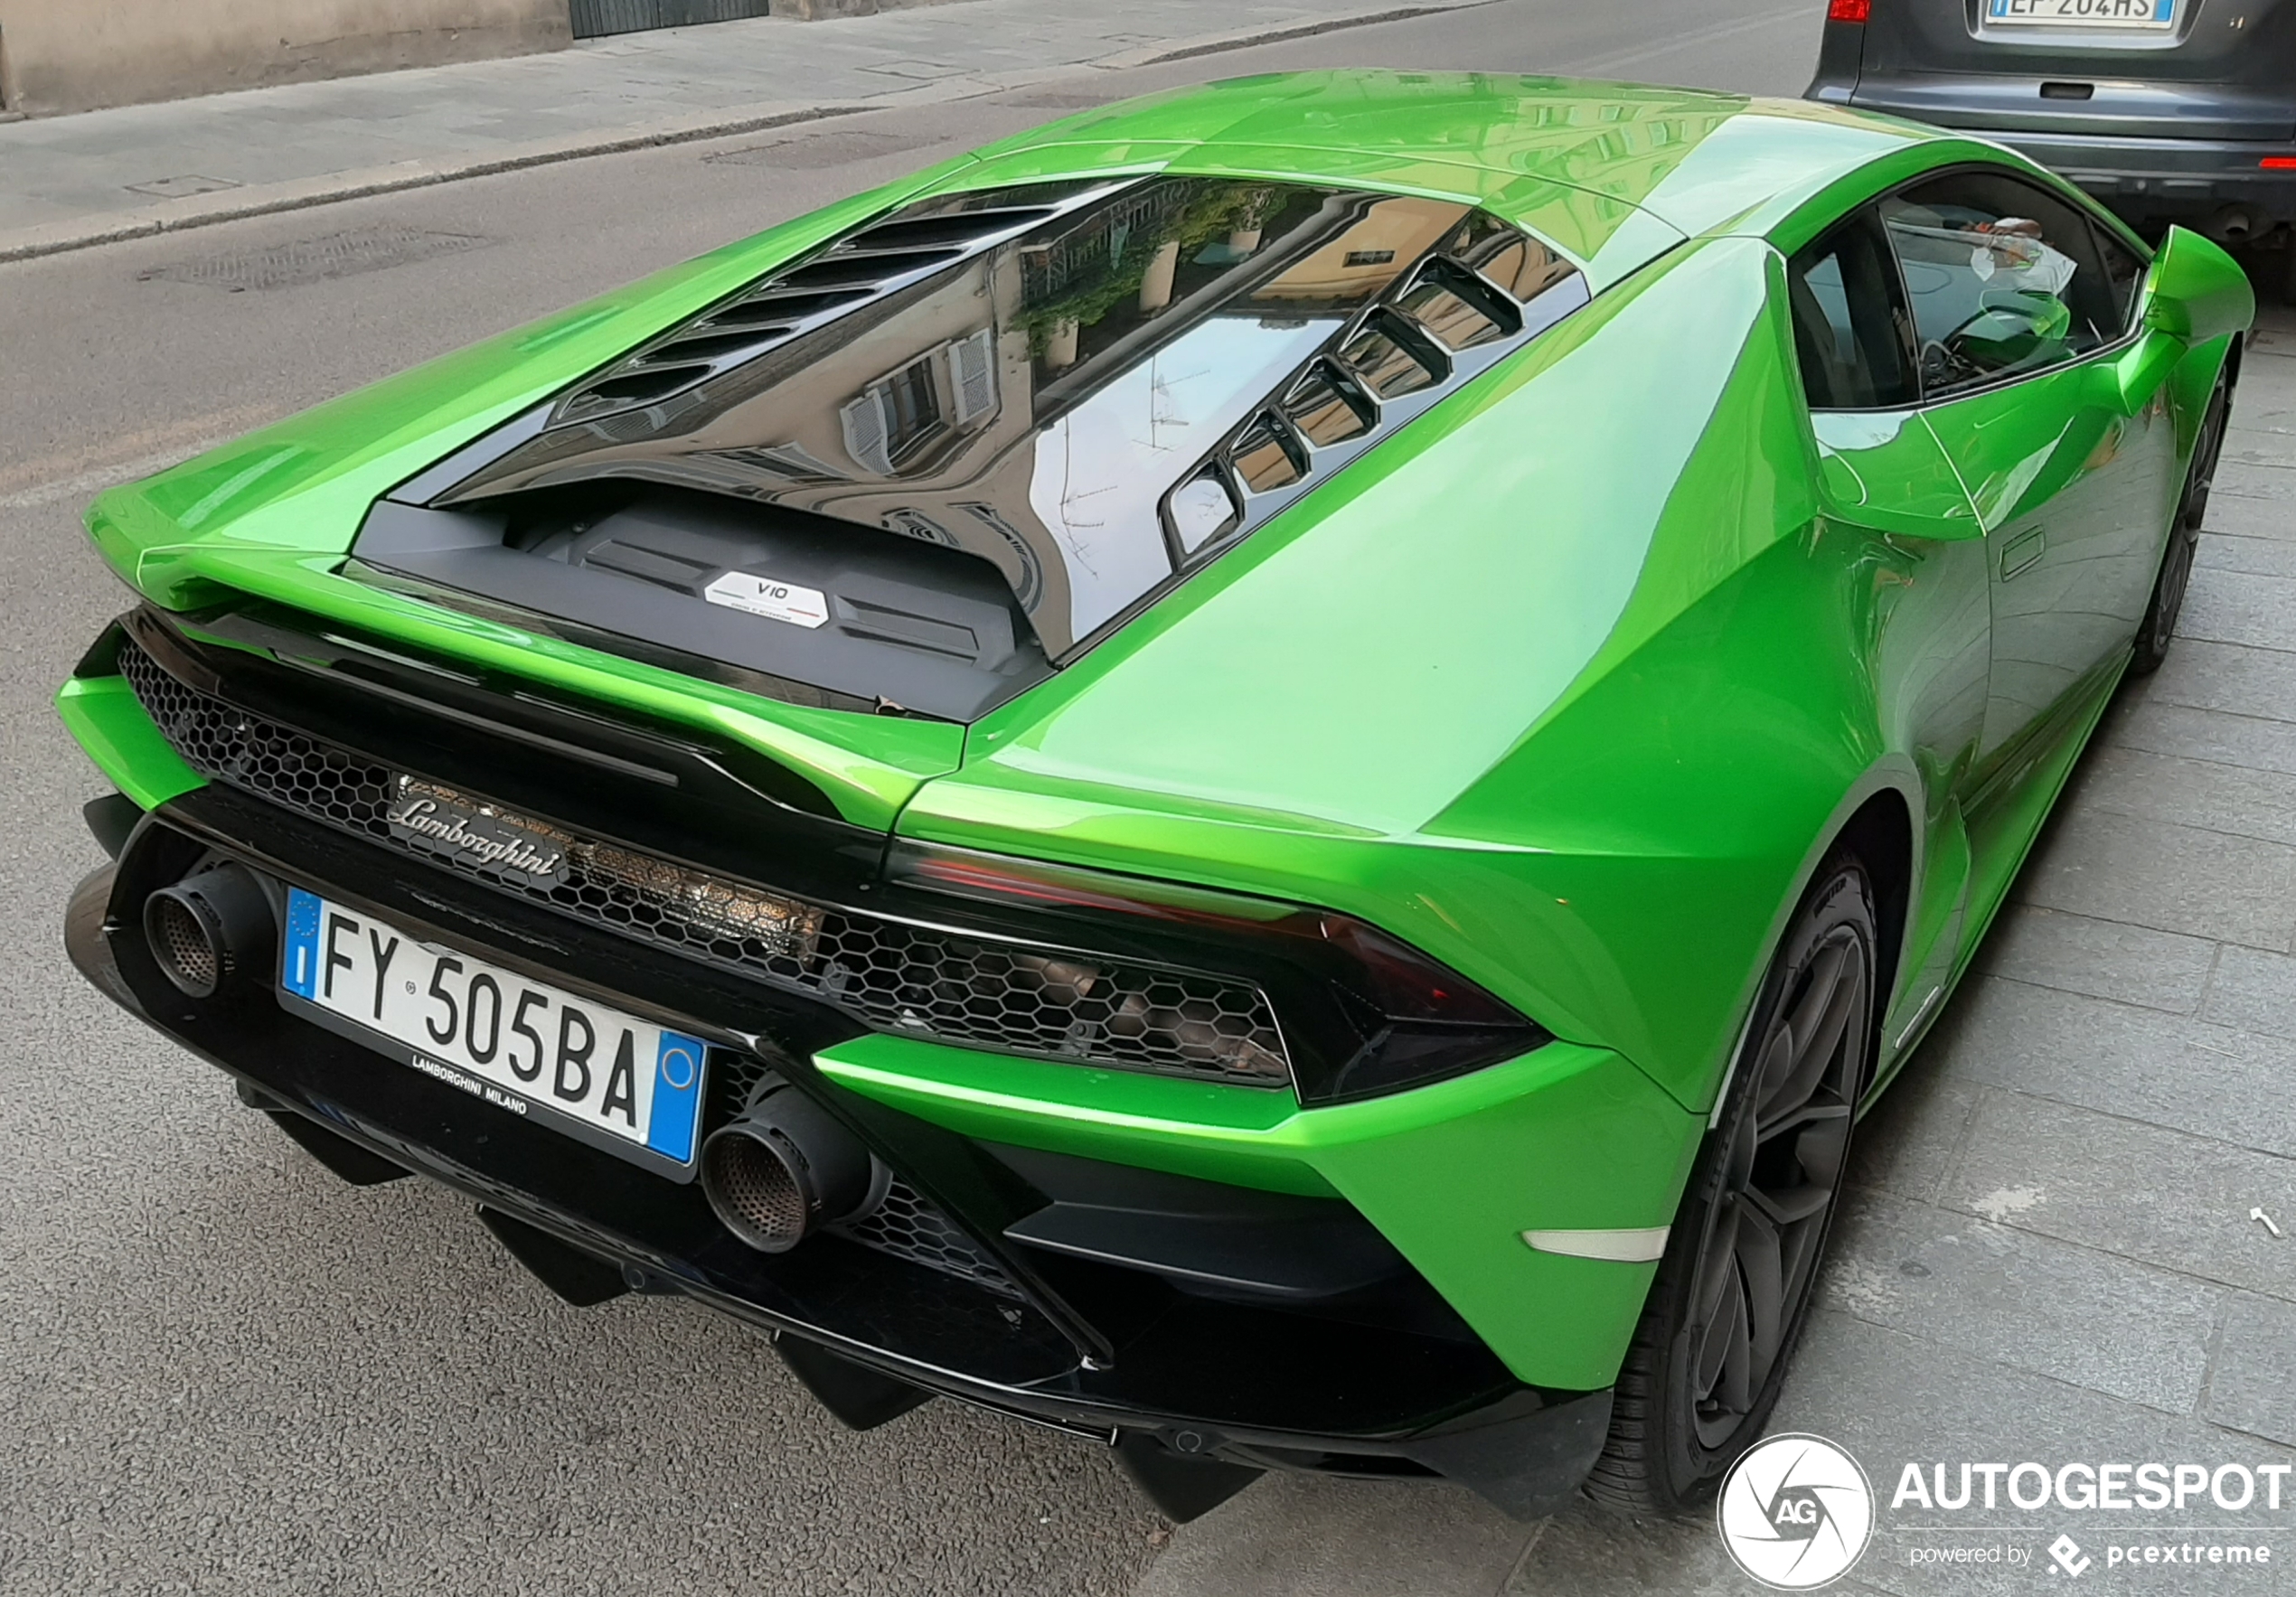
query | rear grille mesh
[893, 976]
[907, 1227]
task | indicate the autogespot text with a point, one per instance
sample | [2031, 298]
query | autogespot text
[2142, 1487]
[2185, 1496]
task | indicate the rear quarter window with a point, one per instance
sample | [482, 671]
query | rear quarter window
[1849, 328]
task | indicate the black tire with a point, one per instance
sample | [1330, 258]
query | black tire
[2158, 630]
[1733, 1290]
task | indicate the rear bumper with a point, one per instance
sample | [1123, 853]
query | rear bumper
[2145, 179]
[1281, 1390]
[2170, 178]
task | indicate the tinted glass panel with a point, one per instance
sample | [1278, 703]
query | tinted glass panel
[1521, 265]
[1323, 411]
[912, 404]
[1387, 368]
[1846, 331]
[2003, 279]
[1455, 323]
[1262, 460]
[1047, 398]
[1201, 510]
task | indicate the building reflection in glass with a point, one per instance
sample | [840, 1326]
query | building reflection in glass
[1049, 403]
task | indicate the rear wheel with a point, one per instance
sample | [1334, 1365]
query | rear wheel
[1731, 1293]
[2158, 628]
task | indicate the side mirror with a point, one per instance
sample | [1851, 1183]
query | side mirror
[2138, 374]
[2195, 292]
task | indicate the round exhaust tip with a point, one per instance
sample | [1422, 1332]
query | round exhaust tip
[784, 1166]
[190, 953]
[2234, 224]
[209, 929]
[756, 1188]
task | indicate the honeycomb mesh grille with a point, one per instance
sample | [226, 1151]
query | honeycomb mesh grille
[907, 1227]
[903, 1223]
[895, 977]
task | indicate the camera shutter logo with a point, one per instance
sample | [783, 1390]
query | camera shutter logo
[1796, 1512]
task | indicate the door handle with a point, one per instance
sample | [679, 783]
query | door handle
[2021, 551]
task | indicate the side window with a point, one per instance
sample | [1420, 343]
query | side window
[2123, 269]
[2003, 279]
[1846, 330]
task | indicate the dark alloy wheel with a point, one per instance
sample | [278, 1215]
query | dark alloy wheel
[2158, 628]
[1731, 1293]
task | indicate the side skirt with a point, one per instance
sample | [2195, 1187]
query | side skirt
[2023, 801]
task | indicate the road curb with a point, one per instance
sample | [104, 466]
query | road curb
[1220, 43]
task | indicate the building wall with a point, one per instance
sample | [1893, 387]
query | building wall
[75, 55]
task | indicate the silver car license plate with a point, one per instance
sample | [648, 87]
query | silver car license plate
[2082, 13]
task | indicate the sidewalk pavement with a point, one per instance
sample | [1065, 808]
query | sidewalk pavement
[69, 182]
[2049, 1253]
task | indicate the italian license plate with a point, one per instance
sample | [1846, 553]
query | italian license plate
[2083, 13]
[529, 1048]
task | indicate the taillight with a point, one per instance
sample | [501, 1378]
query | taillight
[1360, 1012]
[1849, 11]
[2278, 163]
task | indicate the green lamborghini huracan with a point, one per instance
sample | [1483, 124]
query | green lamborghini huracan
[1262, 776]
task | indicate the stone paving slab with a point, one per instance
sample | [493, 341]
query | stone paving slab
[70, 181]
[2127, 1190]
[2250, 1390]
[2258, 443]
[2261, 480]
[2243, 607]
[2255, 991]
[2210, 676]
[1885, 1394]
[2169, 876]
[2101, 958]
[2211, 1081]
[2242, 739]
[2238, 507]
[2256, 557]
[1893, 1398]
[1916, 1134]
[2017, 1297]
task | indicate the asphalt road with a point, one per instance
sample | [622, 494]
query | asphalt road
[222, 1371]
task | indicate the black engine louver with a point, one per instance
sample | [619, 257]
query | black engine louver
[858, 269]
